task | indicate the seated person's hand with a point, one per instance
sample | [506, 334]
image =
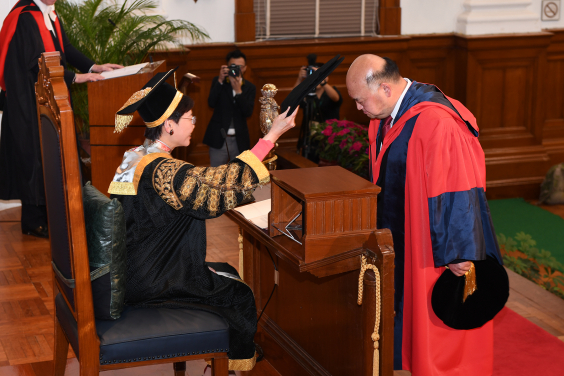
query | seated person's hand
[105, 67]
[222, 73]
[460, 269]
[88, 77]
[281, 124]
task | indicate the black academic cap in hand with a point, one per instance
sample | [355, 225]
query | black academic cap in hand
[309, 84]
[489, 298]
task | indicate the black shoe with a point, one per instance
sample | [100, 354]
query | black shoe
[40, 232]
[260, 352]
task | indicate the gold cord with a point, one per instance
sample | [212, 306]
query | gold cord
[375, 336]
[241, 263]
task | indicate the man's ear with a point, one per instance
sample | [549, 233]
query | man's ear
[387, 89]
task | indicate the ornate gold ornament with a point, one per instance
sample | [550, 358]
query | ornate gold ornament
[268, 112]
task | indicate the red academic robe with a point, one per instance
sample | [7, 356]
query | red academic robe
[444, 205]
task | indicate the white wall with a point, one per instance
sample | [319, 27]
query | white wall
[429, 16]
[215, 16]
[440, 16]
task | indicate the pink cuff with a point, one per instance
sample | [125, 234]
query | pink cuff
[262, 148]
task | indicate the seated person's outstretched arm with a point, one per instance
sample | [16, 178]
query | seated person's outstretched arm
[208, 192]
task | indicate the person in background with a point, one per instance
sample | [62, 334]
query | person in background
[232, 99]
[319, 106]
[31, 28]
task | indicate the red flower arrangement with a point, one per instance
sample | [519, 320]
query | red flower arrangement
[343, 142]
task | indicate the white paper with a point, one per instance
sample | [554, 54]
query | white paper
[257, 213]
[125, 71]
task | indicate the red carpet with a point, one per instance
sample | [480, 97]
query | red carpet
[521, 348]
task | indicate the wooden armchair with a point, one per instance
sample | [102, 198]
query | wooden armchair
[141, 336]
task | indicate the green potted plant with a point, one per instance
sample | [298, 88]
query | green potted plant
[138, 32]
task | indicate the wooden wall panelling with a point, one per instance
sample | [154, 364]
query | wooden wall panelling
[244, 21]
[504, 86]
[553, 127]
[390, 17]
[431, 59]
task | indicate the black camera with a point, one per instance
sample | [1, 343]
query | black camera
[310, 69]
[234, 70]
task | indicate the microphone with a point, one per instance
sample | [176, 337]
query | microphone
[224, 135]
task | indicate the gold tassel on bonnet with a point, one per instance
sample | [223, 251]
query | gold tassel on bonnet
[155, 102]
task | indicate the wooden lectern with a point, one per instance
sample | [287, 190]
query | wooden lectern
[322, 221]
[105, 98]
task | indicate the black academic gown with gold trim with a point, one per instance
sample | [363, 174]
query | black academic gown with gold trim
[166, 202]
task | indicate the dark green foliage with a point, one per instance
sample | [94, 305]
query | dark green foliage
[88, 29]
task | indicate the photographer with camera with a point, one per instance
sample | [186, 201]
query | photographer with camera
[320, 105]
[232, 98]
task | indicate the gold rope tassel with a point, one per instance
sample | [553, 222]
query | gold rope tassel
[470, 282]
[240, 239]
[375, 336]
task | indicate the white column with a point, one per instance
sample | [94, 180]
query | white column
[498, 16]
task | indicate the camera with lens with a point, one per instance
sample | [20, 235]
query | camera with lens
[310, 69]
[234, 70]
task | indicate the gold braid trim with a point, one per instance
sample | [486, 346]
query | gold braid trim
[253, 162]
[122, 121]
[163, 181]
[167, 113]
[201, 196]
[240, 364]
[213, 202]
[122, 188]
[130, 189]
[229, 200]
[247, 180]
[375, 336]
[144, 162]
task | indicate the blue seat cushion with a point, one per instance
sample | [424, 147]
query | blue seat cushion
[152, 333]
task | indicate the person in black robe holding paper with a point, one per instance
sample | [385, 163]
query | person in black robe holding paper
[31, 28]
[166, 202]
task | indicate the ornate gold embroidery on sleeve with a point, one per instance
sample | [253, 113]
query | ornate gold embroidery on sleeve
[163, 181]
[219, 175]
[201, 196]
[253, 162]
[188, 187]
[213, 201]
[229, 199]
[232, 175]
[247, 180]
[210, 172]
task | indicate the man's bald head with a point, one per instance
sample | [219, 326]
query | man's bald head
[375, 84]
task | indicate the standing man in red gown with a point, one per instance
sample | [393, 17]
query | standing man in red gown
[425, 155]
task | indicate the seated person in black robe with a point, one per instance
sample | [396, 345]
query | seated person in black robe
[166, 202]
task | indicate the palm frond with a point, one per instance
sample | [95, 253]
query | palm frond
[138, 32]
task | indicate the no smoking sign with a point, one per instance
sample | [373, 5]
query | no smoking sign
[550, 10]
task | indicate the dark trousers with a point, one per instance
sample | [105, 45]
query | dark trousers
[33, 216]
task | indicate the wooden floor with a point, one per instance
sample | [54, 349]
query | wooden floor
[26, 302]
